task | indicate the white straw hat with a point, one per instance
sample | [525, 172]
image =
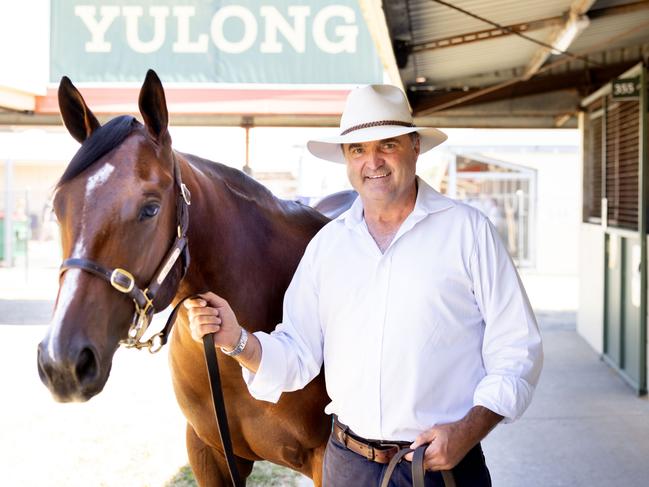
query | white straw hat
[374, 112]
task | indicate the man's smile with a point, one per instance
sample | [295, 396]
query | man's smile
[378, 176]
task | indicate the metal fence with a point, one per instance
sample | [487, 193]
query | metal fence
[29, 234]
[505, 193]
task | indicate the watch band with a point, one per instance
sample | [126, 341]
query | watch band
[243, 339]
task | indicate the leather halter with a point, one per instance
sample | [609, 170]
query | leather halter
[124, 281]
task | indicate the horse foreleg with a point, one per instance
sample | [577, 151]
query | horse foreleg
[317, 459]
[209, 465]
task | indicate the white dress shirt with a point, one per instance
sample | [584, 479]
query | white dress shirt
[412, 337]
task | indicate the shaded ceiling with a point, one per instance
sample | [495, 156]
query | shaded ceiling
[494, 63]
[463, 63]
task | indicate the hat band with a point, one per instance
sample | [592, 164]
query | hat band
[377, 124]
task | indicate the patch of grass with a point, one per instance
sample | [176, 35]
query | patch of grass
[183, 478]
[264, 474]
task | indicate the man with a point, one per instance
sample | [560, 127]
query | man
[411, 302]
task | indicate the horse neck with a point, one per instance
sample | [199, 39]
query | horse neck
[244, 243]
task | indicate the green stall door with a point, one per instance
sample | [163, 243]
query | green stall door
[20, 229]
[622, 330]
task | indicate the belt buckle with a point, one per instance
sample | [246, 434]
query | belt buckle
[370, 453]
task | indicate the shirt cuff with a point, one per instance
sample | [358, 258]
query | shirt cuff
[266, 384]
[505, 395]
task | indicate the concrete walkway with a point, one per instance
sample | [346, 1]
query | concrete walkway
[585, 427]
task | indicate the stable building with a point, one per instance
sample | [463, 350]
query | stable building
[613, 235]
[577, 64]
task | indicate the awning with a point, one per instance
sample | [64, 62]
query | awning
[16, 100]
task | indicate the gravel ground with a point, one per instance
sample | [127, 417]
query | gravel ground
[132, 434]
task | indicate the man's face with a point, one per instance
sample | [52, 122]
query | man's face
[383, 170]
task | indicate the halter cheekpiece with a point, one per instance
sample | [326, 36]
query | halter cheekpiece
[124, 282]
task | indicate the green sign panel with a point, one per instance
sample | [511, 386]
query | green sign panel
[626, 88]
[212, 41]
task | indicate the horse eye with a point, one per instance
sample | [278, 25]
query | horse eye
[149, 210]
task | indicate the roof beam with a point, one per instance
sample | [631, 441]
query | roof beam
[377, 25]
[523, 27]
[619, 9]
[482, 35]
[576, 22]
[471, 95]
[16, 100]
[583, 80]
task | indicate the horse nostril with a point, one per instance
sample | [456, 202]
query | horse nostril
[87, 368]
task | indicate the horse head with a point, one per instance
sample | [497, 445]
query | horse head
[117, 206]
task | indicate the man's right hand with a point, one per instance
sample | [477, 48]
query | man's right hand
[212, 314]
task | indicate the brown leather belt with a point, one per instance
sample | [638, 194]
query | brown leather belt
[390, 452]
[375, 451]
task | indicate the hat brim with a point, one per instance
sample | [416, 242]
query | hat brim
[330, 148]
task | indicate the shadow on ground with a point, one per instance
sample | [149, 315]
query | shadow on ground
[25, 312]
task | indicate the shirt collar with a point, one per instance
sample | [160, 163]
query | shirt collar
[428, 201]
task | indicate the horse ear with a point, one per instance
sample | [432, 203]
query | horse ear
[153, 106]
[77, 117]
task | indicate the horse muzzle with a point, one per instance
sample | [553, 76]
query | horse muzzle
[73, 376]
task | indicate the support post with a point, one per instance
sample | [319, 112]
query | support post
[8, 215]
[642, 227]
[247, 124]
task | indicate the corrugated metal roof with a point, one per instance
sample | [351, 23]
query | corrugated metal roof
[430, 20]
[491, 60]
[467, 60]
[457, 68]
[602, 29]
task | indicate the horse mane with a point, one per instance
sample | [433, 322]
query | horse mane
[240, 183]
[101, 142]
[112, 134]
[248, 188]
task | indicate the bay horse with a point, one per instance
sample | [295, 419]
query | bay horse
[117, 206]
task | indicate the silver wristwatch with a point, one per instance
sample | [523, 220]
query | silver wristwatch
[243, 339]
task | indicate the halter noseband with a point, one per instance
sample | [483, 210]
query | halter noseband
[124, 281]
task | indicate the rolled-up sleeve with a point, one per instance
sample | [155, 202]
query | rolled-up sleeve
[292, 354]
[512, 351]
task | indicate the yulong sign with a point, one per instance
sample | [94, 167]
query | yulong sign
[204, 41]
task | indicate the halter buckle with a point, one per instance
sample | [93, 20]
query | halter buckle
[117, 278]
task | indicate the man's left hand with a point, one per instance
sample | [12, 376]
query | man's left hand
[447, 446]
[449, 443]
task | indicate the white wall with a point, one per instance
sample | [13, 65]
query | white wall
[557, 207]
[553, 281]
[24, 45]
[590, 314]
[554, 154]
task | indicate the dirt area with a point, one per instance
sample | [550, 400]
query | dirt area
[132, 434]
